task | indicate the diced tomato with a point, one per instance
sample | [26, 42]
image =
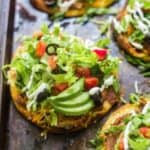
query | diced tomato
[59, 87]
[101, 53]
[83, 72]
[121, 144]
[145, 131]
[52, 62]
[91, 82]
[40, 48]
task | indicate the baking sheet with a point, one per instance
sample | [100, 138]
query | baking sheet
[18, 133]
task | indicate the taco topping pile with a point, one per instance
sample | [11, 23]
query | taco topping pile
[59, 72]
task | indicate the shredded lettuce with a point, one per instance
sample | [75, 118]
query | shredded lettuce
[64, 78]
[139, 143]
[34, 74]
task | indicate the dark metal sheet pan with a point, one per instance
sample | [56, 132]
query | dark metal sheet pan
[15, 132]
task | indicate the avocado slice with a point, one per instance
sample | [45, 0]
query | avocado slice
[75, 111]
[70, 92]
[78, 100]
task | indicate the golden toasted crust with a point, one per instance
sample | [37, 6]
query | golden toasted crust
[77, 9]
[123, 40]
[115, 117]
[122, 111]
[65, 124]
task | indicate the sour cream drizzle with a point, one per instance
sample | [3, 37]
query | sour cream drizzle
[64, 6]
[38, 90]
[108, 82]
[126, 133]
[143, 24]
[136, 17]
[94, 90]
[146, 108]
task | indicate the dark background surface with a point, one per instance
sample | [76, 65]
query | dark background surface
[15, 132]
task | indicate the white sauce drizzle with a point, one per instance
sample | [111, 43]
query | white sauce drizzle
[143, 24]
[34, 70]
[34, 95]
[118, 26]
[126, 133]
[136, 87]
[64, 6]
[38, 90]
[146, 108]
[94, 90]
[108, 82]
[136, 45]
[30, 80]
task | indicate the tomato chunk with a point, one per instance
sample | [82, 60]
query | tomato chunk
[59, 87]
[145, 131]
[52, 62]
[101, 53]
[83, 72]
[91, 82]
[40, 48]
